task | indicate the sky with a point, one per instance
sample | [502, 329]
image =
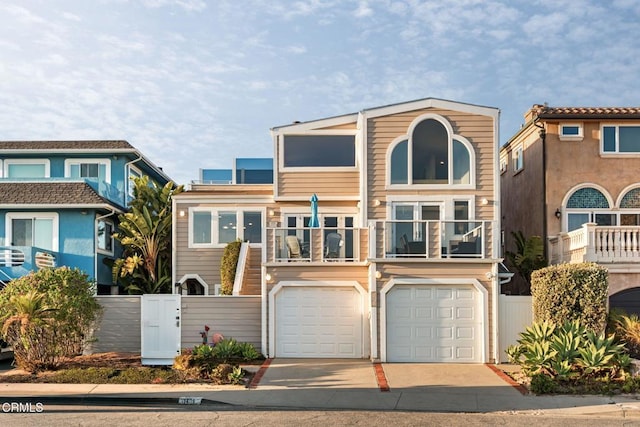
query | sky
[194, 83]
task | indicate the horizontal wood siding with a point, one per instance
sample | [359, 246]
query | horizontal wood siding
[478, 129]
[233, 316]
[324, 184]
[119, 328]
[326, 273]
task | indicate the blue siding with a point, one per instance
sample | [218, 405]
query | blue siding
[76, 240]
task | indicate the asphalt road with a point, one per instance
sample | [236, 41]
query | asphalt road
[60, 415]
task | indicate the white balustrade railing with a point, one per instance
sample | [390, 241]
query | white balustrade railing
[605, 244]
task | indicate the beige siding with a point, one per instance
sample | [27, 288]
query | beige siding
[119, 329]
[324, 184]
[440, 271]
[233, 316]
[477, 129]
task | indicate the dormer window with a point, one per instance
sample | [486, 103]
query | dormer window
[431, 155]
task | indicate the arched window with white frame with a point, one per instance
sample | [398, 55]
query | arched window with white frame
[589, 204]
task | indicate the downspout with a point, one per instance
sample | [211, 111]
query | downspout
[543, 136]
[127, 180]
[95, 259]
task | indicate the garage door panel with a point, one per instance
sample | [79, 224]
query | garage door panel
[453, 335]
[318, 322]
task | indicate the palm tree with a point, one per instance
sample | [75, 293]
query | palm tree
[28, 310]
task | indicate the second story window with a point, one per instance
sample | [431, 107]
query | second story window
[213, 228]
[104, 237]
[570, 132]
[431, 155]
[98, 169]
[26, 168]
[620, 139]
[518, 159]
[319, 151]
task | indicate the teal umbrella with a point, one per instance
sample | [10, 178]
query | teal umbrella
[313, 221]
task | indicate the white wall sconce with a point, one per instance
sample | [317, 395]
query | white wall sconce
[378, 274]
[272, 212]
[268, 277]
[181, 213]
[376, 202]
[484, 201]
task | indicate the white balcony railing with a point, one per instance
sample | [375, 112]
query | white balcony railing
[593, 243]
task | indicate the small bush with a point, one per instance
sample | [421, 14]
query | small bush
[543, 384]
[627, 329]
[567, 292]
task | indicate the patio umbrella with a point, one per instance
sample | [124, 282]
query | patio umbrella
[313, 221]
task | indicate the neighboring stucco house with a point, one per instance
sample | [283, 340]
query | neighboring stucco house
[399, 259]
[59, 204]
[570, 175]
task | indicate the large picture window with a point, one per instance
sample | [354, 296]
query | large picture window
[26, 168]
[431, 155]
[212, 228]
[319, 151]
[620, 139]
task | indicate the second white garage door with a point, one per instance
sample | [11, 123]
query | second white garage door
[434, 323]
[318, 322]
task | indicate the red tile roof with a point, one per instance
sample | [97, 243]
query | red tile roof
[545, 112]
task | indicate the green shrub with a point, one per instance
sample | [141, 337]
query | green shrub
[627, 329]
[567, 292]
[228, 266]
[569, 352]
[48, 315]
[543, 384]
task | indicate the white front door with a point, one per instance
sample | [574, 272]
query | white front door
[160, 335]
[434, 323]
[320, 321]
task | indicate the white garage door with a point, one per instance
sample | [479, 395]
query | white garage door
[434, 323]
[318, 322]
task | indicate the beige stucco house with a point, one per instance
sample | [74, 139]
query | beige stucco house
[402, 263]
[570, 175]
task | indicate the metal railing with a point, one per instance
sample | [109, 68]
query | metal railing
[325, 244]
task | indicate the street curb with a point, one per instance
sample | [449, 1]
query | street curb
[116, 401]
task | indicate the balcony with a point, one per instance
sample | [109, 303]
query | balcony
[430, 239]
[446, 240]
[18, 261]
[318, 245]
[593, 243]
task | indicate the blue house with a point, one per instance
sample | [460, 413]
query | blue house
[59, 204]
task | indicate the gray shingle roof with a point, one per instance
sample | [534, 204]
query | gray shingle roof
[49, 193]
[65, 145]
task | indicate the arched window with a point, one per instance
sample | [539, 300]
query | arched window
[431, 155]
[588, 204]
[630, 208]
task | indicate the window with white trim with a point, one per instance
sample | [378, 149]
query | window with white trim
[27, 168]
[503, 165]
[39, 229]
[620, 139]
[104, 236]
[570, 132]
[98, 169]
[133, 173]
[588, 204]
[518, 159]
[431, 155]
[213, 228]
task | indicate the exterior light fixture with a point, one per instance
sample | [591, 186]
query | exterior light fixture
[558, 213]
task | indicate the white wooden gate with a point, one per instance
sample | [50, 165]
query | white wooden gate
[160, 334]
[516, 313]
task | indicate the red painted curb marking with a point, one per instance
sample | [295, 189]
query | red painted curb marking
[381, 377]
[258, 375]
[522, 389]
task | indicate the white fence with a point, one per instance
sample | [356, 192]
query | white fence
[516, 313]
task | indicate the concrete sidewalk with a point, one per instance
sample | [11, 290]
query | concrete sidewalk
[350, 384]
